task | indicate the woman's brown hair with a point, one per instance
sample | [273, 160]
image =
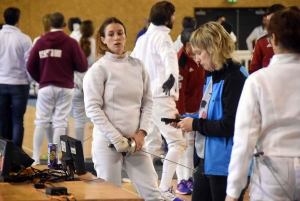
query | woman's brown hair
[46, 23]
[87, 31]
[284, 24]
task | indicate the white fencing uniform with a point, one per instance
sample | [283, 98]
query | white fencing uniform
[268, 117]
[78, 102]
[178, 44]
[118, 100]
[187, 158]
[155, 48]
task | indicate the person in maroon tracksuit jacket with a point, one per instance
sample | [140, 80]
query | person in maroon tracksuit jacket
[262, 54]
[263, 51]
[191, 78]
[52, 63]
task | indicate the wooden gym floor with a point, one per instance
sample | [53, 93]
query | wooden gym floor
[28, 146]
[28, 143]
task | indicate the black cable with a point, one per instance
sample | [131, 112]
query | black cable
[87, 139]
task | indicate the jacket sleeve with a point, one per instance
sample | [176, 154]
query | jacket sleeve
[147, 103]
[257, 57]
[80, 62]
[232, 90]
[32, 64]
[251, 38]
[169, 58]
[27, 48]
[94, 87]
[183, 76]
[247, 132]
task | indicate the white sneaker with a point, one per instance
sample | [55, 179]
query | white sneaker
[126, 180]
[36, 162]
[169, 195]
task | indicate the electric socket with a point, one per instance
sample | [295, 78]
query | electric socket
[56, 191]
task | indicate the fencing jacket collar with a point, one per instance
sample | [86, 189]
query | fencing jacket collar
[153, 27]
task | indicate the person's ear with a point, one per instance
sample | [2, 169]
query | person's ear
[274, 40]
[102, 39]
[188, 44]
[17, 24]
[64, 25]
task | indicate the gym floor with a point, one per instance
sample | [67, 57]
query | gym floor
[28, 146]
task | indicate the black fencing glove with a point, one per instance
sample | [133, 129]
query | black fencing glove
[167, 86]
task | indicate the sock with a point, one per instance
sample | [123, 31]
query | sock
[180, 170]
[79, 135]
[169, 168]
[56, 139]
[189, 155]
[67, 130]
[49, 133]
[189, 162]
[38, 139]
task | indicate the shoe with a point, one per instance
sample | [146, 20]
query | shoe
[36, 163]
[169, 195]
[126, 180]
[190, 183]
[183, 189]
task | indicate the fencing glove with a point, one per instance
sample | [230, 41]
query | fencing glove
[167, 86]
[121, 144]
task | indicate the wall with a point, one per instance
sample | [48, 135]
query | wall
[130, 12]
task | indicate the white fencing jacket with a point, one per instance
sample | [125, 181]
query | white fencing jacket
[268, 116]
[156, 49]
[117, 96]
[178, 44]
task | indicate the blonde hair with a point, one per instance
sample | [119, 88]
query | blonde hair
[216, 41]
[46, 22]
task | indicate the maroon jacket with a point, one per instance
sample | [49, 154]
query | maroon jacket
[262, 54]
[54, 58]
[191, 82]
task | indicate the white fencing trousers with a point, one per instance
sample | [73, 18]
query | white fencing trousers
[187, 158]
[53, 104]
[78, 109]
[264, 186]
[108, 164]
[165, 107]
[79, 114]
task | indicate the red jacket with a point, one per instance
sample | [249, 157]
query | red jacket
[191, 82]
[54, 58]
[262, 54]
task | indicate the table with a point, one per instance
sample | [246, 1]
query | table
[91, 188]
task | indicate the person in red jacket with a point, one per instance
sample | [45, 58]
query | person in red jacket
[52, 63]
[263, 51]
[191, 78]
[191, 82]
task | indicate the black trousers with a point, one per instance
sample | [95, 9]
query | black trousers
[210, 187]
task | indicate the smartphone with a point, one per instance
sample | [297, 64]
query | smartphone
[167, 120]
